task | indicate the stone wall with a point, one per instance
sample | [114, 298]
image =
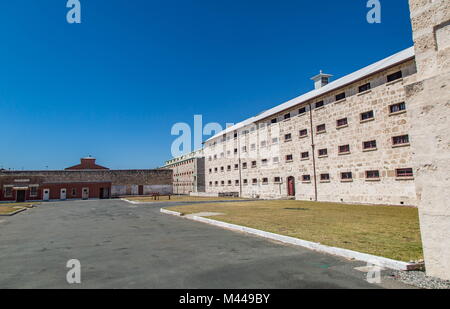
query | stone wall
[429, 101]
[229, 161]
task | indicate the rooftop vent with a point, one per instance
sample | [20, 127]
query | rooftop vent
[321, 80]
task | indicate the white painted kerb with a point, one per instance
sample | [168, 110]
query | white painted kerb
[350, 254]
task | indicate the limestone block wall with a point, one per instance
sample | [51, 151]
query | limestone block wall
[429, 100]
[230, 159]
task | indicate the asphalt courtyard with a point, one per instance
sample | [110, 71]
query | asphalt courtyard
[121, 245]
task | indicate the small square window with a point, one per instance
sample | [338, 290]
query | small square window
[265, 181]
[341, 122]
[288, 137]
[274, 120]
[303, 132]
[400, 140]
[289, 158]
[287, 116]
[395, 108]
[323, 152]
[346, 176]
[302, 110]
[253, 164]
[372, 174]
[321, 128]
[319, 104]
[340, 96]
[324, 177]
[394, 76]
[404, 172]
[367, 115]
[344, 149]
[306, 177]
[364, 87]
[305, 155]
[370, 145]
[277, 180]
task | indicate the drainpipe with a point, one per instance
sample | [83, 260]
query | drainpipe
[313, 152]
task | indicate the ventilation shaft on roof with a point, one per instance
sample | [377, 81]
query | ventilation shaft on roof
[321, 80]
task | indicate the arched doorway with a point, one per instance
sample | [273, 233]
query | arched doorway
[291, 186]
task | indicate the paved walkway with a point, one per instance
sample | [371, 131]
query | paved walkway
[121, 245]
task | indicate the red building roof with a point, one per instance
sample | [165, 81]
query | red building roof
[87, 164]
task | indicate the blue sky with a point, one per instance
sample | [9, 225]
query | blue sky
[113, 86]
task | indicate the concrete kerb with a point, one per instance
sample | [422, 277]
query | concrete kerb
[13, 213]
[349, 254]
[185, 202]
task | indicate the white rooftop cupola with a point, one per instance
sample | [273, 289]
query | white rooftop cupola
[321, 80]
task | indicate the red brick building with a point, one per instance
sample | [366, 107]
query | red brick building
[83, 181]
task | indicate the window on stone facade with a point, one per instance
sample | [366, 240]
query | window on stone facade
[210, 183]
[346, 175]
[288, 137]
[74, 191]
[275, 160]
[253, 164]
[287, 116]
[370, 145]
[394, 76]
[277, 180]
[404, 172]
[215, 170]
[340, 96]
[210, 170]
[229, 168]
[245, 182]
[323, 152]
[395, 108]
[372, 174]
[236, 166]
[253, 146]
[324, 177]
[321, 128]
[306, 177]
[254, 181]
[275, 140]
[367, 115]
[229, 182]
[236, 182]
[216, 183]
[342, 122]
[263, 144]
[244, 165]
[302, 110]
[344, 149]
[289, 158]
[235, 135]
[265, 181]
[305, 155]
[222, 168]
[222, 183]
[319, 104]
[264, 162]
[364, 87]
[303, 132]
[235, 150]
[400, 140]
[274, 120]
[244, 148]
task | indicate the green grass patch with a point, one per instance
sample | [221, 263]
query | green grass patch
[388, 231]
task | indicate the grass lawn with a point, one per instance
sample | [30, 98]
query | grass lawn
[388, 231]
[8, 208]
[179, 198]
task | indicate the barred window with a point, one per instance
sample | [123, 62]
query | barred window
[303, 132]
[367, 115]
[394, 76]
[372, 174]
[399, 140]
[397, 107]
[364, 87]
[302, 110]
[404, 172]
[370, 144]
[324, 176]
[341, 122]
[340, 96]
[321, 128]
[305, 155]
[346, 175]
[319, 104]
[306, 177]
[344, 148]
[323, 152]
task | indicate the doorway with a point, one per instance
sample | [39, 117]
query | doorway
[85, 193]
[46, 196]
[63, 194]
[104, 193]
[20, 196]
[141, 190]
[291, 186]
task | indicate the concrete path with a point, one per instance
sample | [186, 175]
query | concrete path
[121, 245]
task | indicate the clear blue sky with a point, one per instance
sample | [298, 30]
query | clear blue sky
[113, 86]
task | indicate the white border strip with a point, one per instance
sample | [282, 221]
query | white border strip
[349, 254]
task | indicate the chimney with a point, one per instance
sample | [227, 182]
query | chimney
[321, 80]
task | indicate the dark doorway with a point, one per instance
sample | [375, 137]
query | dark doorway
[141, 190]
[104, 193]
[20, 196]
[291, 186]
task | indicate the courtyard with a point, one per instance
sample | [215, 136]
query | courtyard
[122, 245]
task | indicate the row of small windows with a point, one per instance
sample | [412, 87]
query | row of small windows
[400, 173]
[340, 96]
[342, 149]
[340, 123]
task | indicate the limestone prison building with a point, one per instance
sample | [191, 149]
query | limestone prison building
[345, 141]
